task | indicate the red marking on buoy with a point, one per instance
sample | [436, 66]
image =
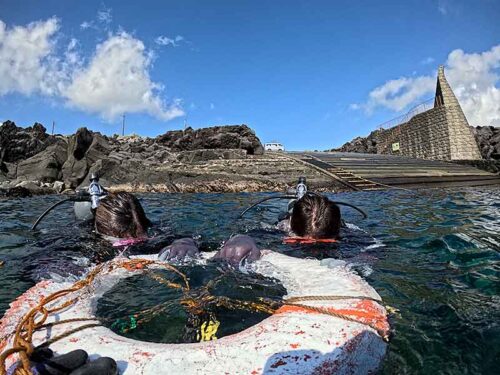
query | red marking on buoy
[278, 363]
[365, 311]
[144, 354]
[327, 368]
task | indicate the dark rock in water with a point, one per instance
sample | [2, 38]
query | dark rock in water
[18, 192]
[44, 166]
[18, 143]
[217, 137]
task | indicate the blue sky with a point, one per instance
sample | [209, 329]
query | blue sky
[311, 74]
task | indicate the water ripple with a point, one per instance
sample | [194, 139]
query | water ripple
[432, 254]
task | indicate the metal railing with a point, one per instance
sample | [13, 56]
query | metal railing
[419, 108]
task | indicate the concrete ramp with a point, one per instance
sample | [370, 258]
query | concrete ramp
[358, 170]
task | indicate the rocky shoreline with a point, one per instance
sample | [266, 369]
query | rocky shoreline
[216, 159]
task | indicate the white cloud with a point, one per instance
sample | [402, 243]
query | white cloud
[443, 7]
[449, 8]
[87, 25]
[116, 80]
[427, 61]
[398, 94]
[24, 55]
[474, 78]
[101, 22]
[104, 15]
[166, 41]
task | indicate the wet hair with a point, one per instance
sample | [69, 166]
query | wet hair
[315, 217]
[121, 215]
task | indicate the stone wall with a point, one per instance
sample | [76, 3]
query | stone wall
[425, 136]
[441, 133]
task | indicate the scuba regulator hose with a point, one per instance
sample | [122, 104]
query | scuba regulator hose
[93, 195]
[266, 199]
[294, 197]
[71, 199]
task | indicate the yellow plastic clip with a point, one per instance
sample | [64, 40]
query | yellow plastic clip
[208, 330]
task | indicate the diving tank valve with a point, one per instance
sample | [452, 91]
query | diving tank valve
[301, 188]
[85, 201]
[96, 191]
[91, 197]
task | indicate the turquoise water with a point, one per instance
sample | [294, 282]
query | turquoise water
[434, 255]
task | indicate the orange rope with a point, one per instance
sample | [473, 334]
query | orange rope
[37, 316]
[35, 319]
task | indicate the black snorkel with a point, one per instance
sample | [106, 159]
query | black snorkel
[299, 191]
[93, 195]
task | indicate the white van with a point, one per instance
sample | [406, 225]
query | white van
[274, 147]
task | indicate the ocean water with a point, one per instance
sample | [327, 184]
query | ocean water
[434, 255]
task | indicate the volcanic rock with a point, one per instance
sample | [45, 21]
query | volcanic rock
[221, 158]
[488, 140]
[204, 155]
[22, 143]
[365, 145]
[44, 166]
[217, 137]
[85, 148]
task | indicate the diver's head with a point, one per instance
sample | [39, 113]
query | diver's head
[121, 215]
[314, 216]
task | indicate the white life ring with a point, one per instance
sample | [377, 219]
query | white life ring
[292, 341]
